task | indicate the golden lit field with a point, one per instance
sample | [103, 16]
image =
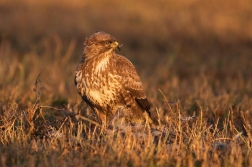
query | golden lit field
[194, 58]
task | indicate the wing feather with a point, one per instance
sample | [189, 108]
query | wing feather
[132, 82]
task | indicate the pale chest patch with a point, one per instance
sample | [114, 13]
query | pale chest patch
[101, 97]
[102, 64]
[95, 95]
[106, 94]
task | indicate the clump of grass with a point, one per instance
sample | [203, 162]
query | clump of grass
[29, 138]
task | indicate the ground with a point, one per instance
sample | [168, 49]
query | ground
[193, 57]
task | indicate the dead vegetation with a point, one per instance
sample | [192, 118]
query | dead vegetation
[194, 61]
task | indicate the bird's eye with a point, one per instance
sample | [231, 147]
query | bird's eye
[108, 42]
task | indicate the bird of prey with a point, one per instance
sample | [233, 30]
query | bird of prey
[109, 83]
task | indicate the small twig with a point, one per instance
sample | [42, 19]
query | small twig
[164, 97]
[37, 90]
[239, 135]
[223, 138]
[188, 118]
[168, 103]
[50, 107]
[56, 135]
[89, 120]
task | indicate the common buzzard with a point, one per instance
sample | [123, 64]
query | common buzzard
[109, 83]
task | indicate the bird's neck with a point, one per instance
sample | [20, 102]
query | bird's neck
[89, 53]
[98, 63]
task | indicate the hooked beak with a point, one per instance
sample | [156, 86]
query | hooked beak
[116, 45]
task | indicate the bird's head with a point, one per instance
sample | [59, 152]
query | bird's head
[100, 42]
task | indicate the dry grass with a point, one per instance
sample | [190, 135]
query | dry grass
[194, 57]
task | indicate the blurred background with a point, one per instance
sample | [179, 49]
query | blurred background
[188, 49]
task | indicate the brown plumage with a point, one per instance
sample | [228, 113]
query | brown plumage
[109, 83]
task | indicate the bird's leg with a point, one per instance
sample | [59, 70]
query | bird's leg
[121, 118]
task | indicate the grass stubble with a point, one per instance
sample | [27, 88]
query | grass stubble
[204, 106]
